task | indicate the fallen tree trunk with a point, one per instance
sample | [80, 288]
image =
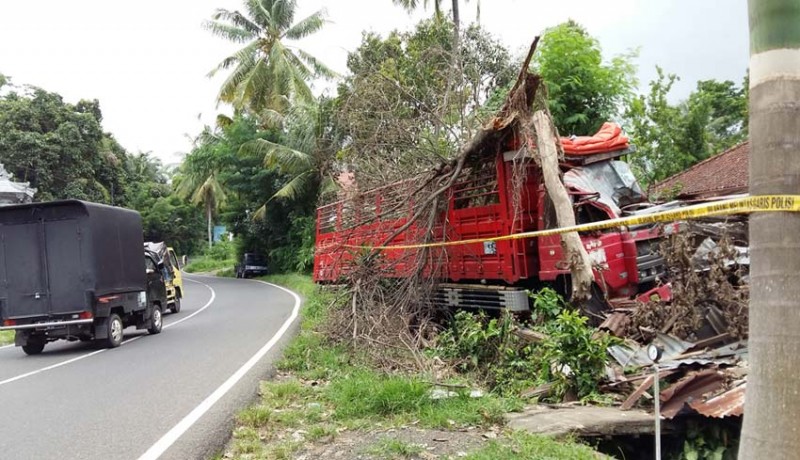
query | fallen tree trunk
[579, 263]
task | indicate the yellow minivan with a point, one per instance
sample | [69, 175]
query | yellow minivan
[172, 276]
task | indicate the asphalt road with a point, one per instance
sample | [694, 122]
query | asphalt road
[169, 396]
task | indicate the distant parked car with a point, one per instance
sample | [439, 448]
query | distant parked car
[252, 264]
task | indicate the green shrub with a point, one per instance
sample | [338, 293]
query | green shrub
[571, 356]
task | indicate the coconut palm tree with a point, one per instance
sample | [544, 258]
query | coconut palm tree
[206, 191]
[197, 178]
[267, 72]
[772, 402]
[306, 156]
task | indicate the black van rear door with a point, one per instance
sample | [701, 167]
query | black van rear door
[65, 269]
[24, 274]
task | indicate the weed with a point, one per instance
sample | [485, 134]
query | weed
[6, 337]
[525, 446]
[392, 448]
[365, 393]
[322, 431]
[255, 416]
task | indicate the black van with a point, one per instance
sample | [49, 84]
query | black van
[251, 265]
[75, 270]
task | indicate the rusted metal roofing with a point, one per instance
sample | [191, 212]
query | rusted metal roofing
[728, 404]
[616, 323]
[690, 388]
[721, 174]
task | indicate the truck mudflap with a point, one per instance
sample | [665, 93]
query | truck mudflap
[483, 297]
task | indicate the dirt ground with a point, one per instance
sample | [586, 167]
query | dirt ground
[398, 443]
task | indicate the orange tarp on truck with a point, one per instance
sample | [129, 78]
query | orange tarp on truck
[608, 139]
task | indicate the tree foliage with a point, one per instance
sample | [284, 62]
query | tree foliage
[397, 109]
[267, 72]
[672, 137]
[583, 90]
[61, 149]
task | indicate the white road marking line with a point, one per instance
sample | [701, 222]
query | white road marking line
[166, 441]
[213, 296]
[133, 339]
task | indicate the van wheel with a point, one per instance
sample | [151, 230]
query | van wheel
[33, 347]
[176, 306]
[157, 321]
[115, 328]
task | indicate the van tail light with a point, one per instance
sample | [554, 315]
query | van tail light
[107, 299]
[86, 315]
[9, 322]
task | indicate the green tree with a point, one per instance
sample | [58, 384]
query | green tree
[306, 154]
[769, 429]
[267, 72]
[60, 148]
[198, 181]
[583, 90]
[672, 137]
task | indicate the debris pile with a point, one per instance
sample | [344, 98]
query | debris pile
[702, 328]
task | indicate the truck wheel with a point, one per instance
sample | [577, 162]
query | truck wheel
[115, 327]
[176, 306]
[156, 322]
[33, 347]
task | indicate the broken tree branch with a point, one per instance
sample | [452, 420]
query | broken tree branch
[579, 262]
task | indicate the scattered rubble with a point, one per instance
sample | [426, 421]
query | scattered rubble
[701, 329]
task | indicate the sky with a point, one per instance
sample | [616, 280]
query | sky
[147, 61]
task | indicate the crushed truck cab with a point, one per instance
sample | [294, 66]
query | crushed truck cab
[74, 270]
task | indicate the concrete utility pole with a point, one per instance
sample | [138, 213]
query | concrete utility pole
[771, 429]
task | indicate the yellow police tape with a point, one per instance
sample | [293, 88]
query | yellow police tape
[745, 205]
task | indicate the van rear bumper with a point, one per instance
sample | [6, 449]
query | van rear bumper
[47, 324]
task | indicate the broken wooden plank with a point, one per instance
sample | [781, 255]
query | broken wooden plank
[644, 386]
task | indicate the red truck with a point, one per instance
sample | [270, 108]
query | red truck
[482, 205]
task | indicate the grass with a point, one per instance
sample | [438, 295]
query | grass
[525, 446]
[6, 337]
[327, 389]
[394, 448]
[202, 264]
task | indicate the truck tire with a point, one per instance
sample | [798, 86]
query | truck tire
[33, 347]
[115, 335]
[157, 321]
[176, 306]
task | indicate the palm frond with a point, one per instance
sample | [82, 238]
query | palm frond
[290, 191]
[282, 13]
[233, 33]
[317, 65]
[307, 26]
[329, 185]
[258, 13]
[289, 160]
[295, 187]
[237, 19]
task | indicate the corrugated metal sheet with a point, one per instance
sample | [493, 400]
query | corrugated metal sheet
[689, 389]
[675, 354]
[671, 347]
[727, 404]
[616, 323]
